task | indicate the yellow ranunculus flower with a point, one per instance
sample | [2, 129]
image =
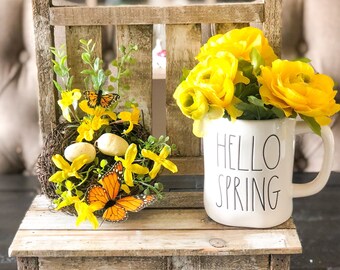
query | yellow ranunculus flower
[191, 100]
[216, 77]
[295, 87]
[240, 43]
[208, 91]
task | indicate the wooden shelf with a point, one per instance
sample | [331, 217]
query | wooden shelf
[167, 232]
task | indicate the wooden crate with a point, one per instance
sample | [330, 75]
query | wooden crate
[134, 25]
[175, 234]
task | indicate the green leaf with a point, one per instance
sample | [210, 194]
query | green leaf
[88, 72]
[122, 49]
[70, 81]
[103, 163]
[83, 41]
[303, 59]
[243, 91]
[310, 121]
[96, 64]
[257, 102]
[86, 58]
[256, 60]
[278, 112]
[101, 77]
[185, 74]
[58, 86]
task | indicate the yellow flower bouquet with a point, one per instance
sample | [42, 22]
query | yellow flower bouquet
[101, 161]
[238, 76]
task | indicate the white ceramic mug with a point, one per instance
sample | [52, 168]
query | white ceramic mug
[248, 170]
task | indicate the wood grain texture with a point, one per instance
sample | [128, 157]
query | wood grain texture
[141, 80]
[172, 232]
[222, 28]
[73, 35]
[180, 54]
[43, 42]
[278, 262]
[25, 263]
[272, 25]
[159, 263]
[187, 165]
[139, 14]
[78, 243]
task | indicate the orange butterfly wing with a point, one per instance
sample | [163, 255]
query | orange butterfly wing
[106, 194]
[115, 213]
[98, 99]
[91, 97]
[136, 203]
[106, 100]
[96, 194]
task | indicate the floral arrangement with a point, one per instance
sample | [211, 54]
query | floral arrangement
[238, 76]
[108, 163]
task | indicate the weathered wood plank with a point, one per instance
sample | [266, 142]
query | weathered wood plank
[272, 26]
[222, 28]
[170, 200]
[278, 262]
[43, 42]
[159, 263]
[187, 165]
[141, 80]
[74, 51]
[156, 242]
[24, 263]
[180, 54]
[141, 14]
[218, 263]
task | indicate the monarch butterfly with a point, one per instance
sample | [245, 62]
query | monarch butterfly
[98, 99]
[105, 195]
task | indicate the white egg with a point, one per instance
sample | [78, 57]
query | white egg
[112, 145]
[80, 148]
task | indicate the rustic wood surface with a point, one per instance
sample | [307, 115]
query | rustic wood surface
[73, 35]
[43, 42]
[272, 25]
[180, 14]
[141, 80]
[180, 54]
[159, 263]
[163, 232]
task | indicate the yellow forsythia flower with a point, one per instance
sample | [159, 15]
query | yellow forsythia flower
[130, 168]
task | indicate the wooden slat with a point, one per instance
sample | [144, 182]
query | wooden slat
[141, 80]
[63, 3]
[180, 54]
[24, 263]
[74, 51]
[171, 200]
[222, 28]
[181, 14]
[154, 217]
[70, 243]
[159, 263]
[272, 26]
[43, 42]
[278, 262]
[187, 165]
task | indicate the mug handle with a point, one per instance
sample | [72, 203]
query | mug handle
[318, 183]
